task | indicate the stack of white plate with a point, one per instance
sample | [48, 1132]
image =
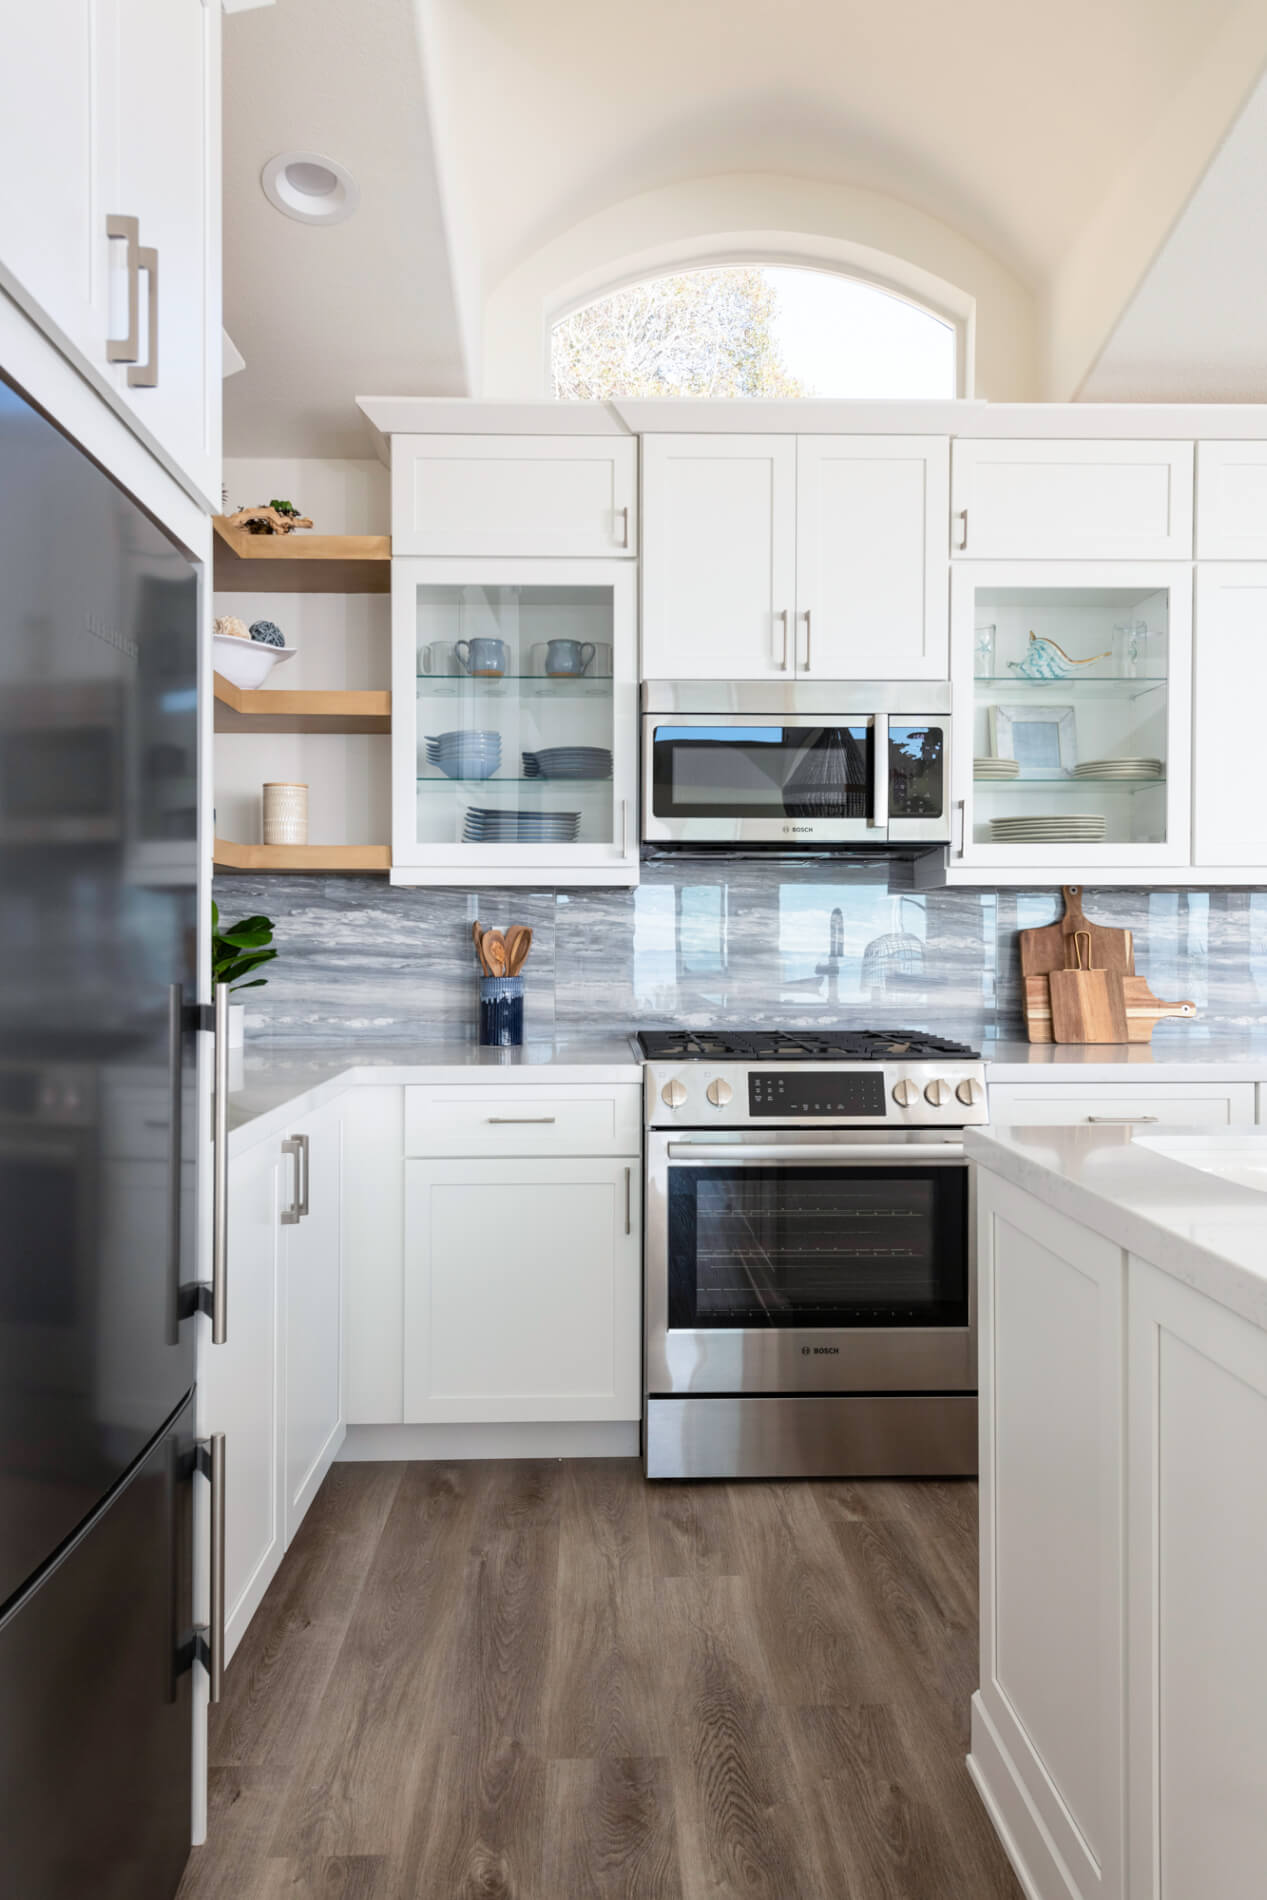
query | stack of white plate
[995, 768]
[1120, 768]
[569, 761]
[1075, 827]
[487, 826]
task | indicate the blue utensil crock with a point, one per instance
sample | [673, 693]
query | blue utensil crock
[501, 1012]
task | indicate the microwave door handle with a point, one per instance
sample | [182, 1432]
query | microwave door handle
[880, 799]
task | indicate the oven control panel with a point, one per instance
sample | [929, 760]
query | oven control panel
[804, 1094]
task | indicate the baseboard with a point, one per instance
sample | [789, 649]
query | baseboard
[619, 1439]
[1026, 1841]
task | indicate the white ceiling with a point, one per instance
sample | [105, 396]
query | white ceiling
[321, 314]
[1196, 329]
[481, 130]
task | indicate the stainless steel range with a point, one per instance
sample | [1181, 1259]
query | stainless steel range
[811, 1293]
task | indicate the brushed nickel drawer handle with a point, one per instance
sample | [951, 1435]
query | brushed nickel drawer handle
[501, 1121]
[1120, 1120]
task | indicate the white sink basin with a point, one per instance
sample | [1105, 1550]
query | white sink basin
[1237, 1154]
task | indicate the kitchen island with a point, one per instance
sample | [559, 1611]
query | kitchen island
[1119, 1733]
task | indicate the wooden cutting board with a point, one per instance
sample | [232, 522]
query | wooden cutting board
[1086, 1004]
[1143, 1010]
[1050, 947]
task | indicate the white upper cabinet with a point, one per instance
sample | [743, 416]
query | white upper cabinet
[871, 572]
[719, 556]
[1232, 501]
[784, 557]
[109, 123]
[1072, 501]
[52, 214]
[514, 495]
[1230, 686]
[165, 173]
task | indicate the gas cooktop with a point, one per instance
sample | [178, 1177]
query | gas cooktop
[798, 1045]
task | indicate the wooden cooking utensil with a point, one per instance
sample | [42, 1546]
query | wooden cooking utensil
[1050, 946]
[493, 945]
[524, 946]
[1086, 1004]
[518, 940]
[477, 937]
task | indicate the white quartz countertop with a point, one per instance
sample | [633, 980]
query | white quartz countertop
[276, 1081]
[1209, 1232]
[1178, 1052]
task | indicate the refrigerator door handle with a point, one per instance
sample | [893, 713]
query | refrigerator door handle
[209, 1636]
[175, 1076]
[202, 1296]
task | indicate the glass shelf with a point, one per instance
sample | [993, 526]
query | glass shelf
[560, 787]
[1088, 688]
[453, 686]
[1058, 779]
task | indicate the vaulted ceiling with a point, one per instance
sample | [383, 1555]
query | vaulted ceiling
[1063, 142]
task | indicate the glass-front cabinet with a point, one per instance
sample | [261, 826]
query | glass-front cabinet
[1072, 689]
[514, 721]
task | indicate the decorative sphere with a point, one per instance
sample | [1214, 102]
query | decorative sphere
[230, 624]
[268, 633]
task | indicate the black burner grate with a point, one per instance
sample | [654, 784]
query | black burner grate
[797, 1045]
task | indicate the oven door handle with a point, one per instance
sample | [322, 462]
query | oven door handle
[860, 1156]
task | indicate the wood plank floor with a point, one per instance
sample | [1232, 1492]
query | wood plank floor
[551, 1681]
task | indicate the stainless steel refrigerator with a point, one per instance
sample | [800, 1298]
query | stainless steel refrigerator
[98, 982]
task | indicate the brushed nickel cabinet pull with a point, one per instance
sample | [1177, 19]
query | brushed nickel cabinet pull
[125, 349]
[1123, 1120]
[783, 616]
[808, 635]
[297, 1147]
[145, 376]
[963, 542]
[502, 1121]
[624, 516]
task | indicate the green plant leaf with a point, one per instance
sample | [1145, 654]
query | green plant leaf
[258, 984]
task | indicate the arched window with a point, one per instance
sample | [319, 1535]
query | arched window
[747, 330]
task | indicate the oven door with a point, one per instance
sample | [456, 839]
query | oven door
[797, 780]
[790, 1260]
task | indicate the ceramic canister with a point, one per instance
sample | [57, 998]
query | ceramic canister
[285, 814]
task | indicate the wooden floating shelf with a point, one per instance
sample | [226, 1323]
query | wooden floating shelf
[301, 562]
[275, 710]
[301, 857]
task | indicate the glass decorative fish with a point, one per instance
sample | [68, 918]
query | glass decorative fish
[1045, 660]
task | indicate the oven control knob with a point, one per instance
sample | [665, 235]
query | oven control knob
[905, 1094]
[938, 1093]
[719, 1092]
[970, 1093]
[673, 1094]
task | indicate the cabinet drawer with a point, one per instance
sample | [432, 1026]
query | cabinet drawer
[1070, 501]
[1232, 501]
[576, 1119]
[509, 495]
[1039, 1104]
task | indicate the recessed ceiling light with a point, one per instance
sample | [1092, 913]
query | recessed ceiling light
[310, 187]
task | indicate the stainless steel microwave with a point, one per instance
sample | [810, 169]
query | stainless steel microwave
[802, 766]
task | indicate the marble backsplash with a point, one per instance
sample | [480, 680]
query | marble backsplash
[702, 944]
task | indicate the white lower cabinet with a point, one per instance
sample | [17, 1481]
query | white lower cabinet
[1197, 1538]
[1047, 1719]
[275, 1387]
[1119, 1735]
[1051, 1104]
[522, 1289]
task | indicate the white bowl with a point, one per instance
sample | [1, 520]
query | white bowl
[246, 663]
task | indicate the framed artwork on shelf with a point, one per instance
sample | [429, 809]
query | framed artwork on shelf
[1042, 740]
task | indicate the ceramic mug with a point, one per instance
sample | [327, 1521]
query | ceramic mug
[485, 659]
[568, 659]
[438, 658]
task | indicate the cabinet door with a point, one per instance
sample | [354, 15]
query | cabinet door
[872, 583]
[511, 495]
[1232, 501]
[1050, 1703]
[1072, 500]
[522, 1290]
[52, 209]
[241, 1388]
[1197, 1556]
[312, 1370]
[1229, 813]
[165, 112]
[718, 556]
[514, 722]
